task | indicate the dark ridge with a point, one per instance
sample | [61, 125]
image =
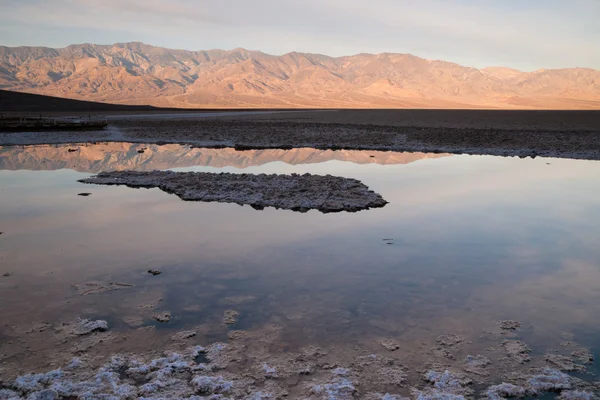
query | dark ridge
[27, 102]
[19, 102]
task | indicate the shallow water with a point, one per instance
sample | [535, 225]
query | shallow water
[475, 240]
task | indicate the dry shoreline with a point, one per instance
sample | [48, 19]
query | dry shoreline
[563, 134]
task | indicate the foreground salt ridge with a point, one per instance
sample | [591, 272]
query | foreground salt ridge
[235, 370]
[290, 192]
[179, 375]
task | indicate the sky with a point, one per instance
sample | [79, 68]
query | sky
[522, 34]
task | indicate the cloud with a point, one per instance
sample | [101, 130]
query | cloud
[525, 33]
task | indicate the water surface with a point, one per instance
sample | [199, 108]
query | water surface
[469, 241]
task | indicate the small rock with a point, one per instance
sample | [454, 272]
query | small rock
[509, 325]
[505, 390]
[270, 372]
[154, 272]
[449, 340]
[583, 355]
[84, 194]
[162, 317]
[477, 365]
[236, 335]
[39, 327]
[389, 344]
[183, 335]
[230, 317]
[85, 326]
[6, 274]
[517, 350]
[140, 151]
[446, 385]
[563, 363]
[71, 150]
[549, 380]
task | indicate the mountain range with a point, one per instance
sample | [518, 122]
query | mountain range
[140, 74]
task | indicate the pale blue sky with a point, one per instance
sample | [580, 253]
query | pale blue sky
[523, 34]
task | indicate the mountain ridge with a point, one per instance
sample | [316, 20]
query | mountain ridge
[140, 74]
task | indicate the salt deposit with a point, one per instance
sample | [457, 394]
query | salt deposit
[517, 350]
[505, 390]
[291, 192]
[549, 379]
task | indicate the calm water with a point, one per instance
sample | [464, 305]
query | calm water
[476, 239]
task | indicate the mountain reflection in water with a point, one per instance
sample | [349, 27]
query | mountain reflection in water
[147, 157]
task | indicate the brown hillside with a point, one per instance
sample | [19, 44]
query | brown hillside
[135, 73]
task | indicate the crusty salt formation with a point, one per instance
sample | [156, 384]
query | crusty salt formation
[290, 192]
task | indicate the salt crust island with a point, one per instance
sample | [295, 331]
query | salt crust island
[290, 192]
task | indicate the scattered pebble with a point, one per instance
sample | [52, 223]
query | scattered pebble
[162, 317]
[154, 272]
[39, 327]
[236, 335]
[563, 363]
[517, 350]
[85, 326]
[549, 379]
[183, 335]
[583, 355]
[509, 325]
[505, 390]
[230, 317]
[449, 340]
[6, 274]
[477, 365]
[270, 372]
[85, 194]
[389, 344]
